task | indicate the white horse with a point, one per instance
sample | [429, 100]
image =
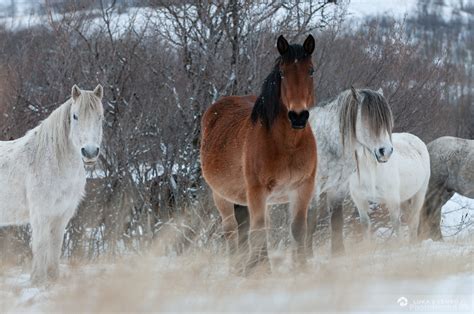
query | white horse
[392, 169]
[43, 177]
[339, 125]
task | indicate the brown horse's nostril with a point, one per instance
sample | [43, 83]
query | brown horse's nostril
[298, 121]
[292, 115]
[304, 115]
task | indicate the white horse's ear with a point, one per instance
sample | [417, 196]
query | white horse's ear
[380, 91]
[76, 92]
[99, 91]
[354, 93]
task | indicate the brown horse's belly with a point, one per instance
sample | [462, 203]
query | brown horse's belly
[227, 181]
[225, 124]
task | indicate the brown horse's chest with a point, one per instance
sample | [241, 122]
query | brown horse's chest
[284, 171]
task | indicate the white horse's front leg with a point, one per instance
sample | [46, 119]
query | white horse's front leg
[57, 228]
[414, 215]
[394, 210]
[40, 246]
[47, 239]
[362, 205]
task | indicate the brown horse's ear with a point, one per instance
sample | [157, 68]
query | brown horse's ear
[309, 44]
[99, 91]
[354, 93]
[75, 92]
[282, 45]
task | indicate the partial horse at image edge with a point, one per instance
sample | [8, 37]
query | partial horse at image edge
[42, 175]
[452, 171]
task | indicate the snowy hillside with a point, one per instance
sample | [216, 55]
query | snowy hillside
[403, 8]
[394, 8]
[356, 8]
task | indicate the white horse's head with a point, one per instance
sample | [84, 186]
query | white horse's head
[86, 117]
[368, 122]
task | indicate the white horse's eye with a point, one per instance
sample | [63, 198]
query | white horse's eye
[74, 116]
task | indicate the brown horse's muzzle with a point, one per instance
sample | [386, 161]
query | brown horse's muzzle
[298, 120]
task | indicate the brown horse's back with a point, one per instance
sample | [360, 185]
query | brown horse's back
[224, 128]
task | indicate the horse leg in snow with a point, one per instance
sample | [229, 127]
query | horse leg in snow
[229, 224]
[41, 246]
[363, 208]
[243, 222]
[299, 202]
[414, 211]
[57, 229]
[394, 210]
[337, 224]
[258, 234]
[430, 216]
[313, 213]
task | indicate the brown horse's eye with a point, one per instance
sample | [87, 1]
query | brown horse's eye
[282, 74]
[311, 72]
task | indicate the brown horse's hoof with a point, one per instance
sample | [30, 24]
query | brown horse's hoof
[257, 267]
[337, 251]
[300, 264]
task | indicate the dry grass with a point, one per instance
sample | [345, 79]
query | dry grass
[369, 277]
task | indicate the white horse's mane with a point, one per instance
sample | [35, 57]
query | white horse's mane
[374, 110]
[51, 136]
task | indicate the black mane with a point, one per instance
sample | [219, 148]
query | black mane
[268, 104]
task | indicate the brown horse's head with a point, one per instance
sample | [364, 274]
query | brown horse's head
[296, 71]
[289, 87]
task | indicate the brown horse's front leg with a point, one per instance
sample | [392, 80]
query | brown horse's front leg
[243, 221]
[229, 225]
[299, 202]
[256, 197]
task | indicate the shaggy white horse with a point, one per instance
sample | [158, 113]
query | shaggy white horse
[43, 177]
[391, 169]
[355, 114]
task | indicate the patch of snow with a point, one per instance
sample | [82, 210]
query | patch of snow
[457, 217]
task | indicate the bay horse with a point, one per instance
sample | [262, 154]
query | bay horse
[452, 171]
[257, 151]
[43, 176]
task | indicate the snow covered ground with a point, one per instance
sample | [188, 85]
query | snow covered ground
[433, 277]
[385, 276]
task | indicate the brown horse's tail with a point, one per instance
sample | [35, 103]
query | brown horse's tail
[243, 220]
